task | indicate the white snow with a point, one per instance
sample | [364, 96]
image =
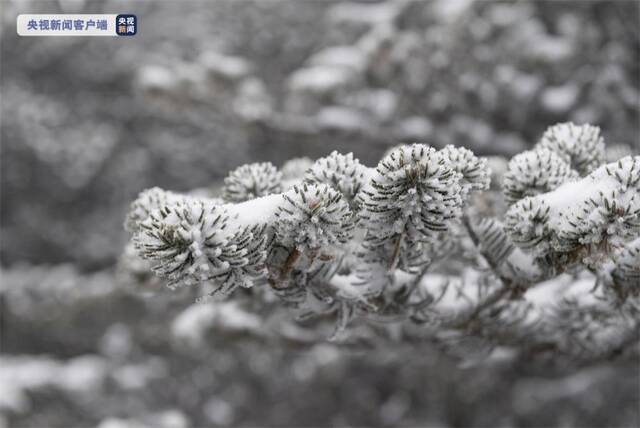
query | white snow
[320, 79]
[255, 211]
[578, 207]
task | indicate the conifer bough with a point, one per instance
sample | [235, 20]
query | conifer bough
[338, 237]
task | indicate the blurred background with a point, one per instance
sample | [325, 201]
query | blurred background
[88, 123]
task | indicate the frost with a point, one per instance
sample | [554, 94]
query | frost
[147, 202]
[602, 207]
[580, 145]
[344, 173]
[190, 242]
[413, 189]
[252, 181]
[534, 172]
[370, 243]
[313, 217]
[475, 173]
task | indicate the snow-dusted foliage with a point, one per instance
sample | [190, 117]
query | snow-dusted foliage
[252, 181]
[342, 172]
[580, 145]
[147, 202]
[191, 242]
[414, 190]
[313, 217]
[581, 219]
[362, 243]
[475, 173]
[534, 172]
[412, 203]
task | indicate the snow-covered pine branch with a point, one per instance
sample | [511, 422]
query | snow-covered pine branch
[534, 172]
[581, 221]
[412, 202]
[337, 237]
[191, 241]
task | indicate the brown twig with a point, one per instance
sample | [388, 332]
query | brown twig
[291, 260]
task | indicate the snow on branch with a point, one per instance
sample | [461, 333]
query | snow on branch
[252, 181]
[581, 220]
[579, 145]
[337, 239]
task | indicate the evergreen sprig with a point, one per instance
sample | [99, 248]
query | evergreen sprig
[579, 145]
[344, 173]
[312, 217]
[413, 191]
[147, 202]
[535, 172]
[189, 242]
[252, 181]
[581, 220]
[476, 174]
